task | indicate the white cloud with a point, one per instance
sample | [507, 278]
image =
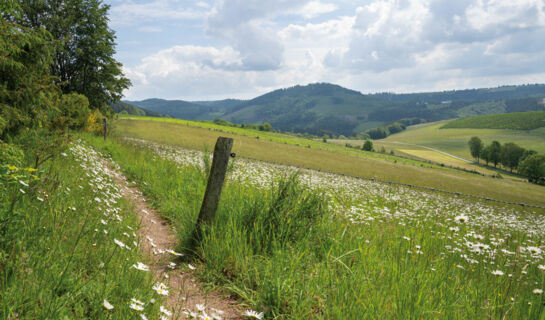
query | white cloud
[248, 26]
[130, 12]
[480, 37]
[150, 29]
[315, 8]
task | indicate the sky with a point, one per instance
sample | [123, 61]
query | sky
[216, 49]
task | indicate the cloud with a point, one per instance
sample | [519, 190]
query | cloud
[480, 37]
[150, 29]
[129, 13]
[315, 8]
[246, 26]
[195, 72]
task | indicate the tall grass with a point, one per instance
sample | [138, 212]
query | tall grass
[58, 259]
[284, 250]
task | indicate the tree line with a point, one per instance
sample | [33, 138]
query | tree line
[510, 155]
[391, 128]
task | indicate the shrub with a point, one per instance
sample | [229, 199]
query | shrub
[368, 145]
[94, 122]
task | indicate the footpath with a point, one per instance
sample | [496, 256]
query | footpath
[186, 297]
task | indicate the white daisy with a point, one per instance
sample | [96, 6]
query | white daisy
[140, 266]
[119, 243]
[461, 218]
[253, 314]
[107, 305]
[165, 311]
[136, 307]
[161, 288]
[497, 273]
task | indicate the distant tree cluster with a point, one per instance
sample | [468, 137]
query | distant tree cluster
[261, 127]
[368, 145]
[392, 127]
[510, 155]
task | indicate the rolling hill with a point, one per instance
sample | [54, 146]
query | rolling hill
[324, 108]
[454, 140]
[133, 110]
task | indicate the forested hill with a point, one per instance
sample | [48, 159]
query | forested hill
[324, 108]
[120, 107]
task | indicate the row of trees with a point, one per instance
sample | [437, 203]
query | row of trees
[261, 127]
[57, 70]
[392, 127]
[510, 155]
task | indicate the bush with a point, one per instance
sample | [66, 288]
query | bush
[10, 154]
[94, 122]
[368, 145]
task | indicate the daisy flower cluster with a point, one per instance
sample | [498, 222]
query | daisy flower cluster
[501, 239]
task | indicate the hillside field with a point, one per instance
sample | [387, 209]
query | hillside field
[454, 141]
[345, 160]
[512, 121]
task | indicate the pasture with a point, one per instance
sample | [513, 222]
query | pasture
[321, 245]
[454, 141]
[348, 161]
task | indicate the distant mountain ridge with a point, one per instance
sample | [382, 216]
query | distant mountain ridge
[324, 108]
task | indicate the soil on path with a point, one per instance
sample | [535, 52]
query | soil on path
[156, 237]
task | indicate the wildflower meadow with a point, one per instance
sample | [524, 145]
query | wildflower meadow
[306, 244]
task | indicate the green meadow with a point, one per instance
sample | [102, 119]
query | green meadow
[68, 242]
[284, 149]
[455, 140]
[313, 245]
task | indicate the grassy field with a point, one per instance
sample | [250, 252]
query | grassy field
[511, 121]
[67, 243]
[365, 164]
[424, 154]
[325, 246]
[454, 141]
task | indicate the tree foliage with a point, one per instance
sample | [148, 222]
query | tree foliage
[533, 167]
[510, 155]
[83, 47]
[368, 145]
[494, 153]
[475, 147]
[29, 97]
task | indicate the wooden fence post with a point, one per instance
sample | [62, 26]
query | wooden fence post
[105, 127]
[211, 199]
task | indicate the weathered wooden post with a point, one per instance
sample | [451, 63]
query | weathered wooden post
[105, 127]
[222, 151]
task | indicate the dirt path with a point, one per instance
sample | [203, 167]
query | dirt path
[157, 242]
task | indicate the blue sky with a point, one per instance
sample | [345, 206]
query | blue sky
[205, 50]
